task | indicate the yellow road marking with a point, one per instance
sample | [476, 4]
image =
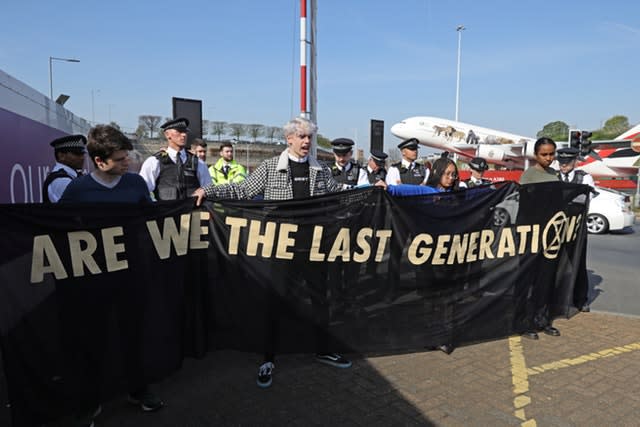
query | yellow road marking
[590, 357]
[520, 380]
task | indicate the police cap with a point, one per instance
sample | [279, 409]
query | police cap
[411, 144]
[342, 145]
[567, 154]
[379, 156]
[478, 164]
[180, 124]
[69, 143]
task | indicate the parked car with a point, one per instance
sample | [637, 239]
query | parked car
[609, 210]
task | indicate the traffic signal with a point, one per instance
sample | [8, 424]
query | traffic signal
[585, 143]
[575, 139]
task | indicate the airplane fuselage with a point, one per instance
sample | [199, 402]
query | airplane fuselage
[504, 148]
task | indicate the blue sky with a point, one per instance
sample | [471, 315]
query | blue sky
[523, 65]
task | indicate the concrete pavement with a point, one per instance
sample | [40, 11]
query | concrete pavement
[587, 376]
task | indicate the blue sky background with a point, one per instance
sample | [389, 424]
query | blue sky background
[524, 64]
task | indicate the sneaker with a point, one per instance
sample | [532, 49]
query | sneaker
[333, 359]
[86, 418]
[97, 411]
[264, 374]
[146, 400]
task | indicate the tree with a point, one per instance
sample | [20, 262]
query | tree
[238, 130]
[219, 128]
[557, 131]
[323, 142]
[255, 131]
[140, 131]
[272, 132]
[150, 123]
[615, 126]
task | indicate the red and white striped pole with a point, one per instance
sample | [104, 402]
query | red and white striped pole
[303, 59]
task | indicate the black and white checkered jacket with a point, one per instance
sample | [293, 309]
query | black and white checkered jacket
[272, 179]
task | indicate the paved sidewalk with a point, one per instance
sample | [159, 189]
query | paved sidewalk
[588, 376]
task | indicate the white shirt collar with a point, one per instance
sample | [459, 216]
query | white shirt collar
[173, 153]
[297, 160]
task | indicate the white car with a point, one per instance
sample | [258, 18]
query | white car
[609, 210]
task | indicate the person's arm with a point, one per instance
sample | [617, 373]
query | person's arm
[149, 171]
[203, 174]
[363, 178]
[247, 189]
[57, 187]
[393, 176]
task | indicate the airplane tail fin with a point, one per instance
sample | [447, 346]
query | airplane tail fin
[631, 133]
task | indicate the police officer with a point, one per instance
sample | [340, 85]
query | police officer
[344, 169]
[477, 165]
[567, 158]
[174, 173]
[408, 171]
[375, 166]
[69, 152]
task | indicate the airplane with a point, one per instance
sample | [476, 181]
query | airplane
[617, 158]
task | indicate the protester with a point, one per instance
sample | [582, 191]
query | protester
[478, 166]
[444, 175]
[69, 152]
[227, 170]
[174, 173]
[199, 149]
[111, 182]
[294, 174]
[407, 171]
[544, 153]
[344, 169]
[376, 170]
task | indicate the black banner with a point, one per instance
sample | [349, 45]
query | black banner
[97, 300]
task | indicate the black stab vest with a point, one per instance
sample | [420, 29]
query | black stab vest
[350, 177]
[175, 182]
[414, 176]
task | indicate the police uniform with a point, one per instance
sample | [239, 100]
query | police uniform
[379, 159]
[407, 172]
[61, 174]
[581, 298]
[478, 164]
[172, 174]
[352, 173]
[569, 154]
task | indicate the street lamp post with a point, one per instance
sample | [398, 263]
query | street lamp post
[459, 29]
[93, 109]
[51, 59]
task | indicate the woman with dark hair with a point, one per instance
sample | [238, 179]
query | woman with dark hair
[545, 153]
[444, 175]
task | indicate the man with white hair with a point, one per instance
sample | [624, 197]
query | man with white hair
[293, 174]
